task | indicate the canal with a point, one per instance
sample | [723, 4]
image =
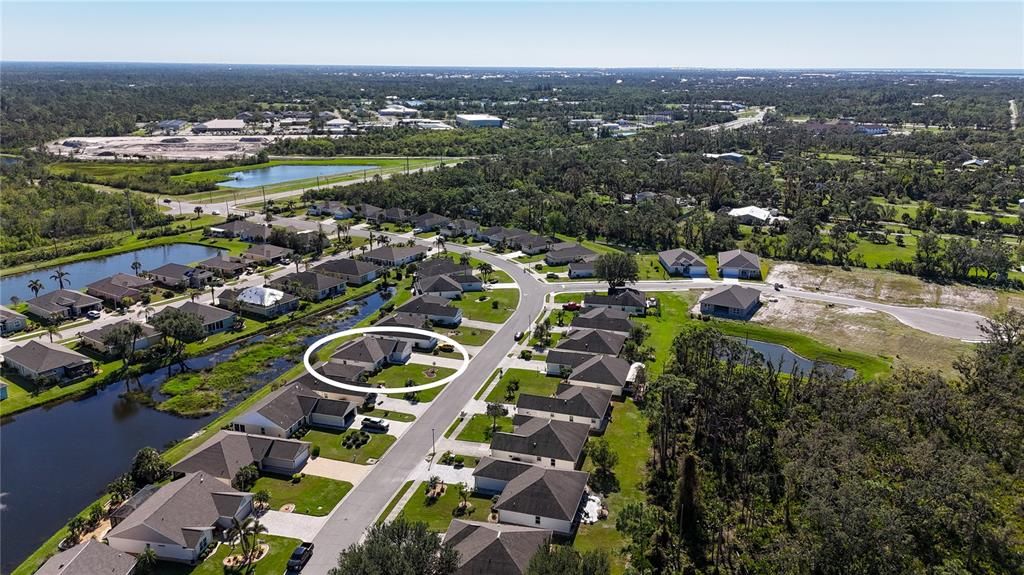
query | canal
[56, 460]
[85, 272]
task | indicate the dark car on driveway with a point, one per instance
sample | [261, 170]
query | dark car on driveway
[300, 557]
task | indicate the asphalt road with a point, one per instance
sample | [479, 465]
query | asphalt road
[360, 508]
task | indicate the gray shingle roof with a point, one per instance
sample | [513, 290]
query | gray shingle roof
[368, 349]
[394, 253]
[89, 558]
[567, 357]
[442, 283]
[499, 469]
[430, 305]
[268, 251]
[603, 318]
[546, 492]
[618, 297]
[571, 252]
[603, 369]
[739, 259]
[99, 334]
[179, 510]
[681, 257]
[347, 266]
[544, 438]
[575, 400]
[489, 549]
[42, 357]
[440, 265]
[208, 314]
[61, 299]
[309, 280]
[227, 452]
[732, 296]
[593, 341]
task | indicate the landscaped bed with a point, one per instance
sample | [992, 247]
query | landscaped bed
[332, 444]
[438, 513]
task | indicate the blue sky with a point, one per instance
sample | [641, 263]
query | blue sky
[755, 34]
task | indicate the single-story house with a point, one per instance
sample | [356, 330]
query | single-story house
[733, 157]
[491, 475]
[544, 498]
[683, 262]
[629, 300]
[734, 301]
[489, 549]
[739, 264]
[572, 403]
[310, 285]
[265, 302]
[392, 256]
[215, 319]
[266, 254]
[94, 338]
[11, 321]
[223, 266]
[603, 371]
[755, 216]
[449, 286]
[589, 340]
[343, 372]
[179, 276]
[373, 352]
[89, 558]
[182, 518]
[242, 229]
[561, 254]
[394, 215]
[579, 270]
[440, 265]
[563, 361]
[40, 361]
[282, 412]
[531, 244]
[498, 234]
[228, 451]
[338, 210]
[603, 318]
[367, 211]
[544, 442]
[114, 289]
[429, 222]
[437, 309]
[460, 228]
[354, 272]
[63, 304]
[417, 321]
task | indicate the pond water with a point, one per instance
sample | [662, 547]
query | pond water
[787, 361]
[286, 173]
[56, 460]
[85, 272]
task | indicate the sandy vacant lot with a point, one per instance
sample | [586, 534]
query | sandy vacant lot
[204, 147]
[862, 330]
[890, 287]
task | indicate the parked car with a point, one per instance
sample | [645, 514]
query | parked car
[376, 425]
[446, 348]
[167, 200]
[519, 335]
[92, 314]
[571, 306]
[215, 212]
[300, 557]
[552, 276]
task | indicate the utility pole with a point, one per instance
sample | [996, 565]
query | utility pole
[433, 448]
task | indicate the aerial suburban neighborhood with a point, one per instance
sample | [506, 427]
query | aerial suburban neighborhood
[643, 307]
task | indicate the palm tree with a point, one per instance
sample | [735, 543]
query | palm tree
[36, 286]
[199, 211]
[52, 329]
[485, 269]
[193, 293]
[147, 561]
[370, 239]
[261, 497]
[439, 243]
[252, 531]
[136, 266]
[59, 277]
[383, 240]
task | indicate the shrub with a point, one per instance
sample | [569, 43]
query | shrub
[315, 451]
[494, 304]
[296, 477]
[526, 354]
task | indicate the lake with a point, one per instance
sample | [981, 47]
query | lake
[85, 272]
[286, 173]
[56, 460]
[786, 361]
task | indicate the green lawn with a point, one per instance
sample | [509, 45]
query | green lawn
[530, 382]
[392, 415]
[398, 375]
[479, 426]
[438, 514]
[274, 563]
[472, 308]
[651, 268]
[468, 335]
[330, 440]
[627, 436]
[311, 496]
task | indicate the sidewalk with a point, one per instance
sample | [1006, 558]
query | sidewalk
[294, 525]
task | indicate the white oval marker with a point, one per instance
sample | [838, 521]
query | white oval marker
[385, 329]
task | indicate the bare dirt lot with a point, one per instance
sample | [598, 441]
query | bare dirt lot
[862, 330]
[893, 288]
[204, 147]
